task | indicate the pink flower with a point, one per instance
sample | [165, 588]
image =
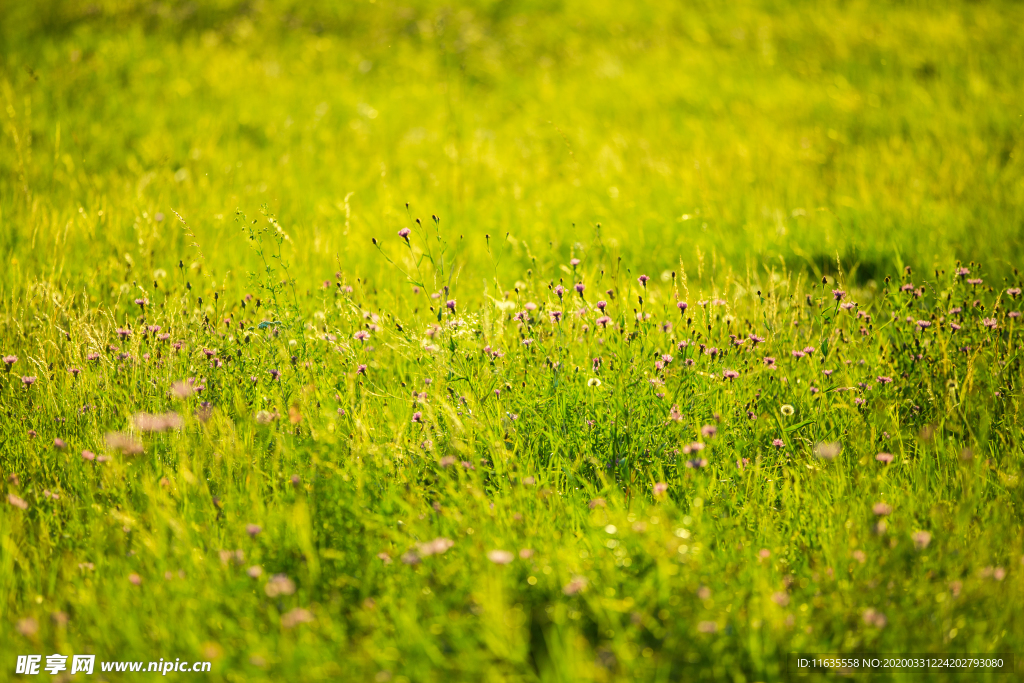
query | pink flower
[764, 553]
[660, 488]
[778, 443]
[124, 443]
[279, 584]
[253, 530]
[881, 509]
[873, 617]
[439, 546]
[500, 556]
[135, 579]
[643, 280]
[828, 451]
[921, 539]
[577, 584]
[361, 335]
[404, 233]
[16, 501]
[708, 431]
[296, 616]
[884, 457]
[88, 455]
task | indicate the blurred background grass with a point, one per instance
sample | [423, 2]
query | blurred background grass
[882, 133]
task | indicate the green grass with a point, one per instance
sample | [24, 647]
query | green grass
[237, 174]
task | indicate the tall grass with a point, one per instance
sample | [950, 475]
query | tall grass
[509, 341]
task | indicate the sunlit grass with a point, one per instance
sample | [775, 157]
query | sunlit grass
[579, 341]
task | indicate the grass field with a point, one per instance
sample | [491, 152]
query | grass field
[510, 340]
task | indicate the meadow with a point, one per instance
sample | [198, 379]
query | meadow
[515, 340]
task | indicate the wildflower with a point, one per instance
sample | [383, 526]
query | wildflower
[769, 361]
[798, 354]
[921, 539]
[974, 281]
[675, 415]
[883, 379]
[778, 443]
[755, 339]
[9, 361]
[16, 501]
[1012, 291]
[253, 530]
[28, 627]
[88, 455]
[601, 305]
[500, 556]
[404, 234]
[417, 417]
[873, 617]
[696, 463]
[450, 305]
[593, 382]
[296, 616]
[574, 262]
[75, 372]
[59, 444]
[181, 389]
[525, 553]
[643, 280]
[596, 503]
[708, 431]
[808, 350]
[28, 381]
[990, 323]
[145, 422]
[361, 335]
[730, 374]
[576, 585]
[787, 410]
[603, 321]
[660, 488]
[579, 288]
[848, 306]
[881, 509]
[439, 546]
[838, 294]
[135, 579]
[764, 553]
[124, 443]
[384, 557]
[556, 316]
[682, 306]
[123, 333]
[279, 584]
[666, 358]
[827, 451]
[781, 599]
[884, 458]
[361, 370]
[924, 324]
